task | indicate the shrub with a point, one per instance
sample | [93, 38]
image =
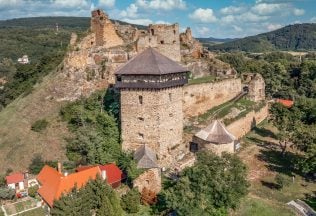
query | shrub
[130, 202]
[39, 125]
[32, 191]
[282, 181]
[7, 193]
[38, 163]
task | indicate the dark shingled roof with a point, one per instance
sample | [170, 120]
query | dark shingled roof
[150, 62]
[216, 133]
[145, 157]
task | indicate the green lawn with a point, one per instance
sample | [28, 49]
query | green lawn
[205, 79]
[144, 211]
[257, 207]
[35, 212]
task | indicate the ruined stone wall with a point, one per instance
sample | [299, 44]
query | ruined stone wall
[152, 117]
[199, 98]
[150, 179]
[242, 126]
[215, 148]
[165, 38]
[104, 29]
[256, 88]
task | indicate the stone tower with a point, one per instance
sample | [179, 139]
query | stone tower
[104, 29]
[165, 38]
[151, 103]
[256, 86]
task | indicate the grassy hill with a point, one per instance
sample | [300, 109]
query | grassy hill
[297, 37]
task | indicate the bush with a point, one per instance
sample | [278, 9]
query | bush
[7, 193]
[38, 163]
[282, 180]
[32, 191]
[130, 202]
[39, 125]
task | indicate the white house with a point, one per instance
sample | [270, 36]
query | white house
[15, 181]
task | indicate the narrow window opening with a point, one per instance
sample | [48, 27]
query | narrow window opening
[170, 96]
[141, 136]
[174, 42]
[141, 118]
[152, 31]
[140, 98]
[174, 31]
[162, 42]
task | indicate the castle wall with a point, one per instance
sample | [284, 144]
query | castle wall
[165, 38]
[199, 98]
[242, 126]
[215, 148]
[157, 122]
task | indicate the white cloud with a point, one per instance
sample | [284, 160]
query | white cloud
[138, 21]
[203, 15]
[251, 17]
[203, 31]
[271, 26]
[298, 12]
[231, 10]
[237, 28]
[161, 4]
[105, 3]
[313, 19]
[228, 19]
[162, 22]
[265, 9]
[130, 11]
[70, 3]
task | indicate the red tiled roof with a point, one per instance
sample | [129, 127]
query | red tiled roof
[113, 173]
[54, 184]
[286, 103]
[14, 178]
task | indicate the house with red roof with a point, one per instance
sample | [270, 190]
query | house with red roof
[286, 103]
[53, 184]
[15, 181]
[114, 175]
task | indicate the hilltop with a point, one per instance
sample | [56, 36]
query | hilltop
[297, 37]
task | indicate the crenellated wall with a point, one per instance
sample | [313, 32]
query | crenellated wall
[199, 98]
[242, 126]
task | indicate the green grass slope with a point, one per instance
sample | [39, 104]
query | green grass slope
[297, 37]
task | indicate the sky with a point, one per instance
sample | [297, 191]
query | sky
[207, 18]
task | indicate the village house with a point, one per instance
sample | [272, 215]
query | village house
[24, 60]
[54, 183]
[15, 181]
[286, 103]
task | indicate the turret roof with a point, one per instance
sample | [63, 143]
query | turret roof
[150, 62]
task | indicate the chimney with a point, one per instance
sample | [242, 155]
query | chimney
[103, 174]
[59, 167]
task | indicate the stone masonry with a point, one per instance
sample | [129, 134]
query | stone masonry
[255, 85]
[154, 118]
[165, 38]
[104, 29]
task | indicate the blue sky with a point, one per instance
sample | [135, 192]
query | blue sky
[216, 18]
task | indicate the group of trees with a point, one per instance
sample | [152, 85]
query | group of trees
[297, 126]
[285, 75]
[211, 187]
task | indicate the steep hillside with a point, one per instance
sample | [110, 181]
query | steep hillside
[212, 41]
[293, 37]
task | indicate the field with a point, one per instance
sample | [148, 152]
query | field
[263, 158]
[26, 206]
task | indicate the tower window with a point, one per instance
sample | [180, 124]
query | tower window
[141, 118]
[174, 42]
[162, 42]
[170, 97]
[174, 31]
[140, 98]
[152, 31]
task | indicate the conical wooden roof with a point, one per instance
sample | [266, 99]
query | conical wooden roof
[150, 62]
[145, 157]
[215, 133]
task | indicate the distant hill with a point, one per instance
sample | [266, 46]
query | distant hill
[293, 37]
[216, 40]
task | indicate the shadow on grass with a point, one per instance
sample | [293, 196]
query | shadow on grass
[280, 163]
[264, 132]
[270, 185]
[310, 199]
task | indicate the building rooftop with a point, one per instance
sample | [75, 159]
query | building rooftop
[54, 184]
[150, 62]
[215, 133]
[145, 157]
[14, 178]
[286, 103]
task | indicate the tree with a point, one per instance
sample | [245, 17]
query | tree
[281, 180]
[130, 202]
[96, 197]
[32, 191]
[7, 193]
[38, 163]
[212, 186]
